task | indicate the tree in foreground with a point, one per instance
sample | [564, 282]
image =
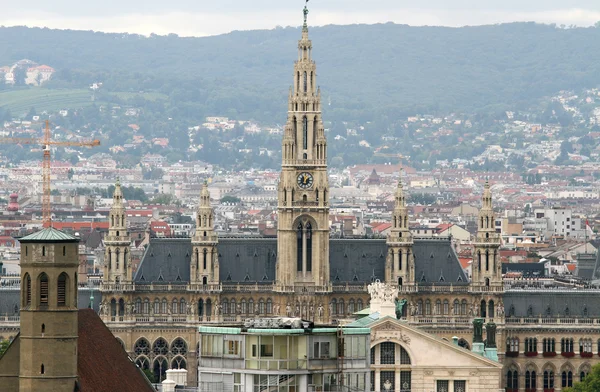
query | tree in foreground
[591, 382]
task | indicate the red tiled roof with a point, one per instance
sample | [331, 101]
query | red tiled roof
[79, 225]
[102, 364]
[465, 261]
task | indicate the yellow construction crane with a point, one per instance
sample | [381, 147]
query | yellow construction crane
[46, 141]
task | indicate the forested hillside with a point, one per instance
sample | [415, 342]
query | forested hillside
[365, 71]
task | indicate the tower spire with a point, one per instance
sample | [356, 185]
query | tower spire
[116, 264]
[400, 260]
[204, 268]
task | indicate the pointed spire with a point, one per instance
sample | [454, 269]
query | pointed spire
[205, 195]
[118, 193]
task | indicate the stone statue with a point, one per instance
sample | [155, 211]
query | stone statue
[304, 310]
[412, 308]
[102, 309]
[478, 330]
[297, 309]
[320, 310]
[288, 310]
[239, 309]
[331, 309]
[500, 310]
[217, 308]
[311, 310]
[399, 307]
[305, 12]
[191, 307]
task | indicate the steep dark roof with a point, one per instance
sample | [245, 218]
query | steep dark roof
[102, 363]
[166, 260]
[436, 262]
[561, 302]
[357, 260]
[247, 259]
[253, 260]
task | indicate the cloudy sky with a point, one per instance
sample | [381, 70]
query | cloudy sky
[210, 17]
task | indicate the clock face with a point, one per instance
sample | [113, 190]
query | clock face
[305, 180]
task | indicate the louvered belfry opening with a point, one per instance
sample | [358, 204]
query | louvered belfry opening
[61, 290]
[44, 290]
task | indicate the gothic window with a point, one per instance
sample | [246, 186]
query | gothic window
[490, 309]
[141, 347]
[463, 307]
[308, 247]
[299, 248]
[122, 220]
[531, 345]
[584, 370]
[438, 307]
[156, 306]
[359, 305]
[225, 306]
[164, 309]
[182, 306]
[146, 306]
[512, 378]
[250, 306]
[304, 132]
[160, 368]
[261, 306]
[351, 306]
[64, 250]
[340, 309]
[487, 260]
[112, 220]
[305, 83]
[175, 306]
[446, 307]
[456, 307]
[482, 309]
[117, 259]
[548, 379]
[138, 306]
[244, 306]
[204, 252]
[269, 306]
[530, 379]
[43, 289]
[61, 290]
[420, 307]
[567, 379]
[232, 307]
[178, 363]
[179, 347]
[549, 345]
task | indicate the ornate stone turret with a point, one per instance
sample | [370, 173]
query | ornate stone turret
[400, 263]
[204, 268]
[117, 265]
[486, 267]
[303, 208]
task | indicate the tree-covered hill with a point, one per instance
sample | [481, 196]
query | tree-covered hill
[365, 71]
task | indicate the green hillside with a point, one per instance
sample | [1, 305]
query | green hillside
[22, 100]
[367, 72]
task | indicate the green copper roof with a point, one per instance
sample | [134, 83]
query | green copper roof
[49, 234]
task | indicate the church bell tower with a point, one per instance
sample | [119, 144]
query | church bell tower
[487, 267]
[400, 263]
[303, 209]
[117, 265]
[204, 268]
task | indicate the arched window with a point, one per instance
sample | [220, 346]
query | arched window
[340, 309]
[43, 329]
[261, 306]
[530, 379]
[178, 363]
[308, 247]
[27, 290]
[456, 307]
[351, 306]
[179, 347]
[428, 308]
[548, 379]
[305, 82]
[174, 306]
[490, 311]
[225, 305]
[250, 306]
[156, 306]
[269, 306]
[160, 347]
[182, 306]
[138, 306]
[463, 307]
[43, 294]
[299, 246]
[61, 290]
[64, 250]
[387, 353]
[446, 308]
[42, 370]
[438, 307]
[482, 309]
[567, 378]
[420, 307]
[164, 309]
[512, 379]
[359, 305]
[304, 132]
[204, 253]
[43, 251]
[146, 306]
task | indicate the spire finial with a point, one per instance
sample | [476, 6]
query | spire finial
[400, 178]
[305, 27]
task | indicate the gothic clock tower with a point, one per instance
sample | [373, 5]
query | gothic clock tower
[303, 209]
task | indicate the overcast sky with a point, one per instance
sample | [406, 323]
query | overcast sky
[210, 17]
